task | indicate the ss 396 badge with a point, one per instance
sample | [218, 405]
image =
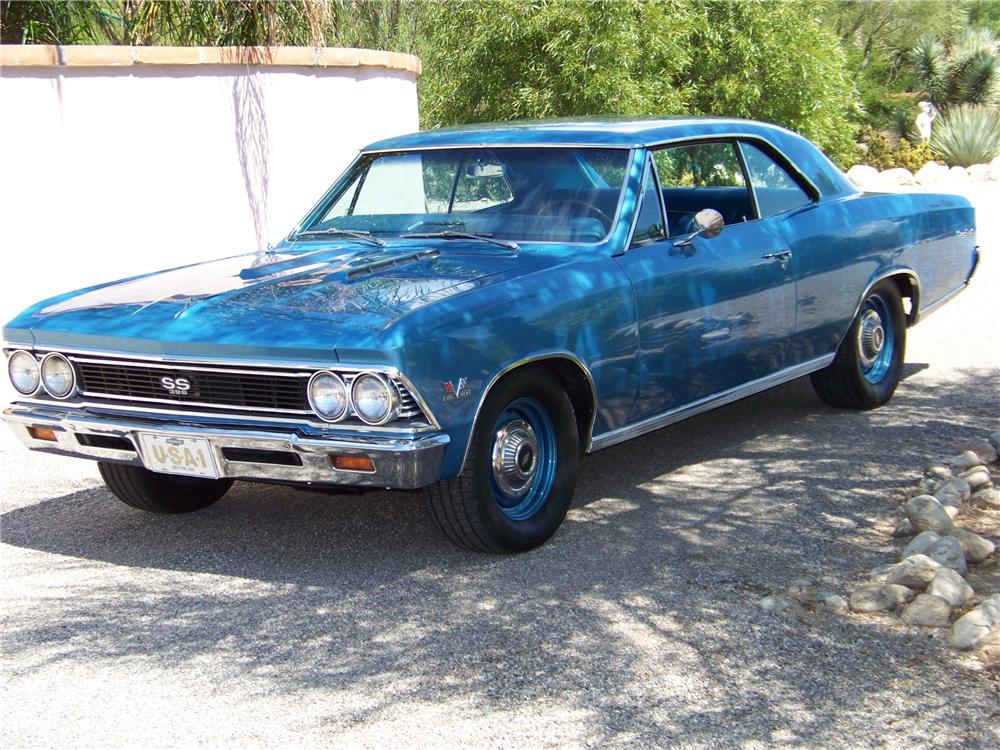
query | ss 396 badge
[453, 392]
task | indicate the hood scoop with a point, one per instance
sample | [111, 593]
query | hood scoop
[366, 269]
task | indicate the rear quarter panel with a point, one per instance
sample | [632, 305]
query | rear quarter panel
[844, 244]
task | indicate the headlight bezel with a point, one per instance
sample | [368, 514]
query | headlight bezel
[347, 396]
[391, 391]
[52, 357]
[37, 369]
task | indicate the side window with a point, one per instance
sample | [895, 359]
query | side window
[702, 175]
[482, 184]
[776, 191]
[649, 224]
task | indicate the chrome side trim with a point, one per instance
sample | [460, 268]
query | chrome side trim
[555, 354]
[655, 422]
[400, 463]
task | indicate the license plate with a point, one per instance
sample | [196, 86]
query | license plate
[187, 456]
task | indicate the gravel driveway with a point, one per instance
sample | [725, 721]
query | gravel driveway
[280, 616]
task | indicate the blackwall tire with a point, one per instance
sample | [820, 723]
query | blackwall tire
[159, 493]
[869, 363]
[520, 473]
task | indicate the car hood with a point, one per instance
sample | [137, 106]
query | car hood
[304, 303]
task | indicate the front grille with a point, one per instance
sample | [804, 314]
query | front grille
[242, 389]
[206, 388]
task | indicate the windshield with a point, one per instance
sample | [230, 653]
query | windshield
[557, 194]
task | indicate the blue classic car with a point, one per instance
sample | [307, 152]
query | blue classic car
[472, 310]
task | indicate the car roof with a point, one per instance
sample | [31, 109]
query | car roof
[614, 132]
[631, 132]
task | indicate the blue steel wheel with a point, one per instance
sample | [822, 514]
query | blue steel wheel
[524, 459]
[869, 362]
[520, 469]
[875, 338]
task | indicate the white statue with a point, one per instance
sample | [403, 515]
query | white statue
[925, 120]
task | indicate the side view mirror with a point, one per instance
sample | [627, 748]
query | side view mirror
[709, 223]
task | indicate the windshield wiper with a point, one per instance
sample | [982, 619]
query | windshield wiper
[355, 234]
[452, 235]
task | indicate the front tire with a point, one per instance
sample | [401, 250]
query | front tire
[159, 493]
[520, 472]
[869, 362]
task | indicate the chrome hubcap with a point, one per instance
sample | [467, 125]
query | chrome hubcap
[871, 337]
[515, 458]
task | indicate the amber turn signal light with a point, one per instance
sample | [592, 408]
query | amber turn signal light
[353, 463]
[42, 433]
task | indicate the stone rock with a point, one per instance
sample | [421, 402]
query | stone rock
[958, 174]
[914, 572]
[948, 553]
[863, 176]
[835, 603]
[930, 173]
[994, 438]
[953, 511]
[774, 603]
[929, 485]
[974, 547]
[935, 468]
[950, 586]
[879, 574]
[974, 626]
[903, 528]
[879, 597]
[982, 448]
[800, 588]
[980, 173]
[900, 176]
[953, 492]
[927, 514]
[978, 478]
[920, 544]
[962, 462]
[987, 499]
[927, 610]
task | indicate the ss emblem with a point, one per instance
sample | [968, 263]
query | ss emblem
[176, 386]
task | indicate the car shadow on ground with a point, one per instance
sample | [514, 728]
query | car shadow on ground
[672, 539]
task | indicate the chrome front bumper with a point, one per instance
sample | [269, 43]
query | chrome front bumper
[240, 453]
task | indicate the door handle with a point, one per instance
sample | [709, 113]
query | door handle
[783, 255]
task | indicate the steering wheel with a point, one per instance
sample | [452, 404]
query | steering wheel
[546, 209]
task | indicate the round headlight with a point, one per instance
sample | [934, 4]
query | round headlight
[58, 376]
[23, 370]
[328, 396]
[375, 399]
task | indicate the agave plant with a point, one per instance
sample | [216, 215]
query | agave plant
[967, 134]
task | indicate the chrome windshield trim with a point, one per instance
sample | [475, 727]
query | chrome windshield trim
[331, 192]
[507, 144]
[671, 416]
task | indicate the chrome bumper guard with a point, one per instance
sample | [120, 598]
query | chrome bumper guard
[400, 463]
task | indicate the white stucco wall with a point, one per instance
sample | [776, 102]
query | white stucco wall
[113, 170]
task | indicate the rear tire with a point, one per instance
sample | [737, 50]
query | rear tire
[159, 493]
[520, 471]
[869, 362]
